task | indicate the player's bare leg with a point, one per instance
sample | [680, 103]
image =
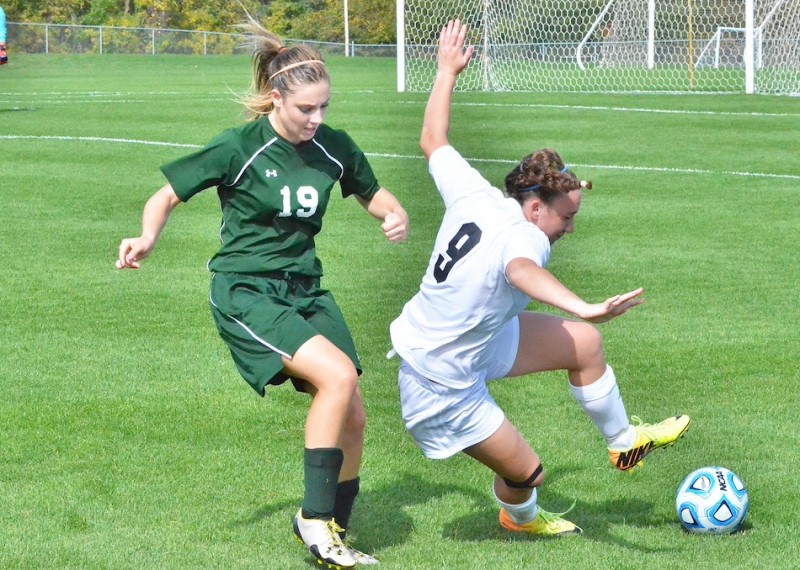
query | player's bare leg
[352, 438]
[548, 342]
[351, 442]
[517, 475]
[332, 381]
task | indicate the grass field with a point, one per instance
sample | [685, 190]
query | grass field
[129, 441]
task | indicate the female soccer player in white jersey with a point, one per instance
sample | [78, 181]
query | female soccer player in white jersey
[467, 323]
[274, 177]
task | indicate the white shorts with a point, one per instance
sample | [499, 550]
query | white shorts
[444, 420]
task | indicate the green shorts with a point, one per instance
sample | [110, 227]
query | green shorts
[262, 319]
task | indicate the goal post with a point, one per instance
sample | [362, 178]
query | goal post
[749, 47]
[401, 41]
[609, 46]
[776, 41]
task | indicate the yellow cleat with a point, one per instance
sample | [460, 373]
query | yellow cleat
[648, 438]
[544, 524]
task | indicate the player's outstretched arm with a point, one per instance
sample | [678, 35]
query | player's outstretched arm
[540, 284]
[453, 59]
[154, 217]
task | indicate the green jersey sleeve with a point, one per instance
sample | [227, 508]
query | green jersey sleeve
[213, 165]
[358, 177]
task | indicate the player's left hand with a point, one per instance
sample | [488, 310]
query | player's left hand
[395, 226]
[613, 306]
[453, 56]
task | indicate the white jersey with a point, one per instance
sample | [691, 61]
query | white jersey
[445, 331]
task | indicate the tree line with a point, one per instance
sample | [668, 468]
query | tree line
[370, 21]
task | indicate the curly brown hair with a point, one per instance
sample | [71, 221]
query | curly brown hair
[544, 175]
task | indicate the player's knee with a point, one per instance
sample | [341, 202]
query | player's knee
[342, 379]
[588, 341]
[349, 381]
[535, 479]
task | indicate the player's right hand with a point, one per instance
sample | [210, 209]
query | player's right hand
[131, 250]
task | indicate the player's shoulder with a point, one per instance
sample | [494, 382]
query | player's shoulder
[327, 135]
[233, 135]
[446, 158]
[244, 138]
[258, 131]
[532, 239]
[448, 163]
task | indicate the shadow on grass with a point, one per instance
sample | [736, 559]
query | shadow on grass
[388, 505]
[381, 520]
[595, 519]
[286, 507]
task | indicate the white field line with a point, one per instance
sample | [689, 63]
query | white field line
[632, 110]
[96, 139]
[56, 97]
[418, 157]
[33, 99]
[622, 167]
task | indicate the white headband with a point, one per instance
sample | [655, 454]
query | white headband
[293, 65]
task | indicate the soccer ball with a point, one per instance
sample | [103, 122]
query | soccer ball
[711, 500]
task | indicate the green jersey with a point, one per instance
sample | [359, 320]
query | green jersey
[273, 193]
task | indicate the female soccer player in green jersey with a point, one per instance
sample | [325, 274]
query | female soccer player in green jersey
[274, 176]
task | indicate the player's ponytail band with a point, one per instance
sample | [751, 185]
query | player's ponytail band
[293, 65]
[537, 186]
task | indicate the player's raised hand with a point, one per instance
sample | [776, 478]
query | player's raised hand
[453, 57]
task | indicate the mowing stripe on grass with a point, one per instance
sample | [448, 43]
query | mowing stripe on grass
[415, 157]
[113, 96]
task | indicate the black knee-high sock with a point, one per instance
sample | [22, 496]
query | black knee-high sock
[346, 493]
[321, 468]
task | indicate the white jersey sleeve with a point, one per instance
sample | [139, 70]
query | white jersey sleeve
[445, 330]
[453, 176]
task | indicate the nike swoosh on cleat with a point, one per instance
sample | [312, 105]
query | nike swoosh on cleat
[634, 456]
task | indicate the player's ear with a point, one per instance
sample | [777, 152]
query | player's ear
[277, 99]
[531, 209]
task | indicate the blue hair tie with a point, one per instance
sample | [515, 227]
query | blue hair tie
[537, 186]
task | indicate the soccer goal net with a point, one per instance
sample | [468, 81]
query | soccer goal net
[714, 46]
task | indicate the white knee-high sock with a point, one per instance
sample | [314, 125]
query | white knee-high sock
[523, 512]
[601, 401]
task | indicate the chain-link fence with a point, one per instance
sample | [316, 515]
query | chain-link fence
[62, 38]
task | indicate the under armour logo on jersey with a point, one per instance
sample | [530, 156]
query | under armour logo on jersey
[270, 173]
